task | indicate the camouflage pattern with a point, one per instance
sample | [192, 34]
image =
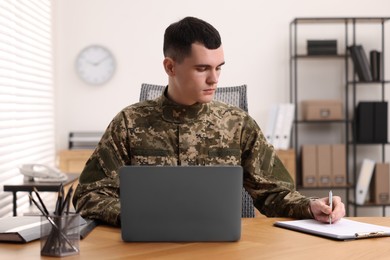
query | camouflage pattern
[160, 132]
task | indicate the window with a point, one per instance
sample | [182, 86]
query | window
[26, 92]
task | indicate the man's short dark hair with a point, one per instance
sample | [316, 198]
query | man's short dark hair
[179, 37]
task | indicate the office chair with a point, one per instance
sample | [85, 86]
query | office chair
[235, 96]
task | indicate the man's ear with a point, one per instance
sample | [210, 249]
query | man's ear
[169, 66]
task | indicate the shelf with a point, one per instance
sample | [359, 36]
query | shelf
[371, 204]
[354, 143]
[369, 82]
[341, 121]
[315, 20]
[325, 188]
[304, 56]
[350, 97]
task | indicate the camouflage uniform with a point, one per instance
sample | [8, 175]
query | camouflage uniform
[160, 132]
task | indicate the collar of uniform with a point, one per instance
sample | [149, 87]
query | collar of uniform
[180, 114]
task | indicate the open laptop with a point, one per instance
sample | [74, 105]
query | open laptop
[181, 203]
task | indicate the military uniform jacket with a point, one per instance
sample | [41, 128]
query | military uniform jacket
[160, 132]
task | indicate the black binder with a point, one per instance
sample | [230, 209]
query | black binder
[360, 62]
[380, 122]
[364, 122]
[370, 124]
[376, 65]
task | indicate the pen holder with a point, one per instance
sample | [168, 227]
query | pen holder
[60, 235]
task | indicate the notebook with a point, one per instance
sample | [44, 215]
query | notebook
[181, 203]
[23, 229]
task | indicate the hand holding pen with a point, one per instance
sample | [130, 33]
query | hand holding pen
[326, 213]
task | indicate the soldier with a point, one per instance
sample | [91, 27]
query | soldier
[185, 126]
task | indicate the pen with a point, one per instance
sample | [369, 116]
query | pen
[66, 203]
[57, 210]
[40, 200]
[330, 199]
[370, 234]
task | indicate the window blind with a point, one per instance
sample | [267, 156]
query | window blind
[26, 92]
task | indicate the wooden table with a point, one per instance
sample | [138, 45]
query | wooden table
[28, 186]
[260, 240]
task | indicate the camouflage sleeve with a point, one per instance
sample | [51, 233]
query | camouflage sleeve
[98, 189]
[267, 180]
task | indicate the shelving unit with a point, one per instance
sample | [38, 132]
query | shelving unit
[349, 88]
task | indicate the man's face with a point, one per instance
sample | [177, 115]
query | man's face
[196, 77]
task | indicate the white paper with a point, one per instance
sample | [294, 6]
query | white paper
[342, 229]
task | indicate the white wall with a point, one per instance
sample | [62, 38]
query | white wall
[255, 36]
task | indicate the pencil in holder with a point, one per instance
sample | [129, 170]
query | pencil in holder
[60, 235]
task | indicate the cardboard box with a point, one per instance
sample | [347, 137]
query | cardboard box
[339, 164]
[324, 165]
[380, 184]
[322, 110]
[287, 157]
[309, 166]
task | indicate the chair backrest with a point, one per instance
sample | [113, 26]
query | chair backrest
[235, 96]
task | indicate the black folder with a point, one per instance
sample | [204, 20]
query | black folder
[380, 122]
[364, 122]
[361, 63]
[376, 65]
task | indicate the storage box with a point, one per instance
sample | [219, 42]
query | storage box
[287, 157]
[322, 110]
[339, 164]
[321, 47]
[370, 123]
[309, 166]
[324, 165]
[380, 189]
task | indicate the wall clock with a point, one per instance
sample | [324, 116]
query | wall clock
[95, 64]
